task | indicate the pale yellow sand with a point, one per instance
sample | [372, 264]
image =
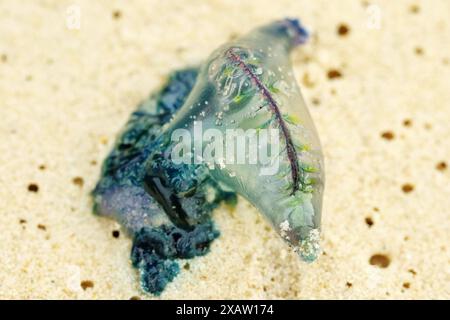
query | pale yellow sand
[65, 93]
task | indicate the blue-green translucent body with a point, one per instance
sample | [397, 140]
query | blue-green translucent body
[166, 206]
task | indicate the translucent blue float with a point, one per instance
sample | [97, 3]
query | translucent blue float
[173, 164]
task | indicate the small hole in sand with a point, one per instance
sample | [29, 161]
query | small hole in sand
[187, 266]
[414, 9]
[42, 167]
[349, 284]
[87, 284]
[22, 221]
[315, 101]
[412, 271]
[388, 135]
[407, 188]
[343, 29]
[180, 50]
[116, 233]
[117, 14]
[233, 36]
[4, 58]
[418, 50]
[33, 187]
[78, 181]
[135, 298]
[307, 81]
[369, 221]
[406, 285]
[334, 74]
[104, 140]
[376, 209]
[93, 162]
[380, 260]
[441, 166]
[407, 122]
[42, 227]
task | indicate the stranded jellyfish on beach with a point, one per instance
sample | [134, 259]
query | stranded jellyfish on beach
[236, 125]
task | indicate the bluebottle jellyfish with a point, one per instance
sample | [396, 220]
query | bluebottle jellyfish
[165, 205]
